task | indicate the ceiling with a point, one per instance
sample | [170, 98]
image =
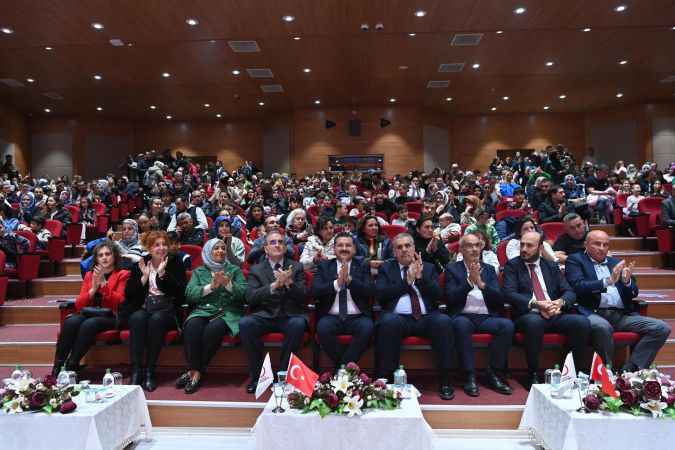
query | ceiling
[349, 67]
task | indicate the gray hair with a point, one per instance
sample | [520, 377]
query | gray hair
[182, 216]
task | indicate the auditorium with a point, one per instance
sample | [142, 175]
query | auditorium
[292, 223]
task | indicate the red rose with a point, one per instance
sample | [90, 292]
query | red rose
[325, 377]
[670, 400]
[380, 384]
[652, 390]
[592, 402]
[629, 397]
[49, 381]
[622, 384]
[37, 401]
[353, 367]
[68, 407]
[332, 400]
[365, 378]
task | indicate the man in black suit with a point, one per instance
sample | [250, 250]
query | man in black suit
[342, 288]
[540, 296]
[475, 304]
[668, 220]
[606, 290]
[276, 295]
[407, 289]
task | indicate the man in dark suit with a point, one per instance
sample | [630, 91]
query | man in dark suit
[668, 220]
[276, 295]
[407, 289]
[475, 304]
[605, 289]
[540, 296]
[342, 288]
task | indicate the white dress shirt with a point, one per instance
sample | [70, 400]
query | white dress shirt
[351, 305]
[403, 306]
[611, 297]
[537, 270]
[475, 302]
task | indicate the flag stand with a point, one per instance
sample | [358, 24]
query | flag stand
[279, 392]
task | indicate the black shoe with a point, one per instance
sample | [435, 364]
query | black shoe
[183, 381]
[150, 381]
[136, 376]
[471, 387]
[446, 392]
[497, 384]
[532, 378]
[251, 387]
[193, 385]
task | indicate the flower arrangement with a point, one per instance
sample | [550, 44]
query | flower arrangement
[29, 395]
[640, 393]
[348, 392]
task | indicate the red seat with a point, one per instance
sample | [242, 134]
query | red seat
[626, 338]
[195, 252]
[664, 237]
[4, 280]
[32, 239]
[482, 338]
[170, 337]
[414, 207]
[55, 227]
[619, 205]
[74, 212]
[392, 230]
[650, 216]
[74, 234]
[415, 341]
[517, 213]
[501, 252]
[552, 230]
[108, 336]
[549, 339]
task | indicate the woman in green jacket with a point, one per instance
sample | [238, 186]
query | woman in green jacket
[217, 290]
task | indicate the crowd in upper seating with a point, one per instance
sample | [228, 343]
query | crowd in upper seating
[245, 238]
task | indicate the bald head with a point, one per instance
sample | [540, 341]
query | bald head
[597, 245]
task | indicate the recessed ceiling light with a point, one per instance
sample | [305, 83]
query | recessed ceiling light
[623, 62]
[153, 107]
[47, 110]
[97, 26]
[586, 30]
[412, 34]
[6, 30]
[546, 108]
[621, 8]
[168, 117]
[420, 13]
[307, 70]
[392, 100]
[288, 19]
[499, 31]
[296, 38]
[130, 44]
[236, 72]
[402, 67]
[99, 108]
[549, 63]
[30, 80]
[448, 99]
[98, 77]
[619, 94]
[562, 96]
[48, 48]
[506, 98]
[317, 102]
[261, 103]
[166, 74]
[494, 108]
[672, 28]
[519, 10]
[219, 115]
[207, 105]
[476, 66]
[192, 22]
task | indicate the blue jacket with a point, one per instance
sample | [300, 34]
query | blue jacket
[390, 286]
[457, 288]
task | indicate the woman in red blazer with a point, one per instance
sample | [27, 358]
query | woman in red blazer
[96, 307]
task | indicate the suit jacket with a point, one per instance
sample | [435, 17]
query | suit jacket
[361, 288]
[457, 288]
[580, 273]
[284, 301]
[390, 286]
[518, 284]
[668, 211]
[112, 294]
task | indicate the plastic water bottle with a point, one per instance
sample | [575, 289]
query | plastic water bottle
[400, 378]
[341, 371]
[547, 376]
[108, 380]
[17, 374]
[63, 378]
[556, 376]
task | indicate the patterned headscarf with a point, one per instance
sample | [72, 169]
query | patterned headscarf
[207, 255]
[126, 244]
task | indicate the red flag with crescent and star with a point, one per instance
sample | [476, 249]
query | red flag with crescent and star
[599, 373]
[301, 376]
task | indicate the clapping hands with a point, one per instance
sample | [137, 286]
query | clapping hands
[283, 278]
[220, 279]
[344, 278]
[415, 269]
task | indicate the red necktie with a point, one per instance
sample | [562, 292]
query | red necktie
[414, 299]
[536, 285]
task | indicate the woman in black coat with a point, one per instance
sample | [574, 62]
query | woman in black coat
[153, 295]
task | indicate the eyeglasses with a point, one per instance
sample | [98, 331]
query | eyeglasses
[275, 242]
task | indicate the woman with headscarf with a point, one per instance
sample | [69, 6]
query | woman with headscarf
[236, 251]
[26, 209]
[130, 247]
[217, 289]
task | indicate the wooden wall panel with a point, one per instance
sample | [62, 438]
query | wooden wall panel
[401, 142]
[14, 130]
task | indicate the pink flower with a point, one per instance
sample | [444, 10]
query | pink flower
[592, 402]
[379, 384]
[670, 400]
[49, 381]
[353, 367]
[365, 378]
[37, 401]
[629, 397]
[652, 390]
[325, 377]
[332, 400]
[622, 384]
[68, 407]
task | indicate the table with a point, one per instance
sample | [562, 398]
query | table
[558, 426]
[378, 430]
[109, 425]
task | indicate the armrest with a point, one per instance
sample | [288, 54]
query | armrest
[642, 307]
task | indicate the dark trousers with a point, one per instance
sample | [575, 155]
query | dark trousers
[501, 329]
[78, 335]
[203, 338]
[252, 328]
[360, 327]
[575, 327]
[147, 333]
[393, 327]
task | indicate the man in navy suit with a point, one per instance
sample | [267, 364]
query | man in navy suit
[407, 289]
[342, 288]
[475, 303]
[606, 290]
[540, 296]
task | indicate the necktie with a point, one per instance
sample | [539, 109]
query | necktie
[414, 299]
[536, 285]
[342, 303]
[277, 266]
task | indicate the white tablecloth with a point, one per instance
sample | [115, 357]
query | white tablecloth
[403, 428]
[110, 425]
[558, 426]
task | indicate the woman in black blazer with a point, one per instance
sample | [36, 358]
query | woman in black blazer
[153, 295]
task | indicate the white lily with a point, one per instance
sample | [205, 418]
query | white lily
[655, 407]
[13, 407]
[353, 406]
[341, 384]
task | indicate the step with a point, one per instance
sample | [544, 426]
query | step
[74, 252]
[632, 243]
[608, 228]
[30, 311]
[63, 285]
[649, 278]
[71, 266]
[661, 303]
[641, 258]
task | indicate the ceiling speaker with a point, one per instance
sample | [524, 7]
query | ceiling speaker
[330, 124]
[384, 122]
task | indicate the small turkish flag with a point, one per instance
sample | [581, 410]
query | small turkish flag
[599, 373]
[301, 376]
